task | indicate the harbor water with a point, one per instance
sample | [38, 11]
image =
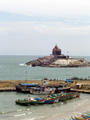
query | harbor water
[58, 111]
[12, 68]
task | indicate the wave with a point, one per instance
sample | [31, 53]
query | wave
[16, 111]
[22, 64]
[29, 118]
[18, 115]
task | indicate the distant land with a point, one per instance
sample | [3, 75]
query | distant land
[57, 59]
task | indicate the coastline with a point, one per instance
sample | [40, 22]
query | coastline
[81, 86]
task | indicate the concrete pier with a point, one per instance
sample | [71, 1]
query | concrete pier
[7, 89]
[82, 86]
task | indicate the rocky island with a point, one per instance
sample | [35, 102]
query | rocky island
[57, 59]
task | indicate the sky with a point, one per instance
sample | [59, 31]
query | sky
[34, 27]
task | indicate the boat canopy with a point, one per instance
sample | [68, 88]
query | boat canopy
[28, 85]
[69, 80]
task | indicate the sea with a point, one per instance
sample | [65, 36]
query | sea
[13, 68]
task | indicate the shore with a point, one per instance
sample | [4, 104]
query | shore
[82, 86]
[10, 85]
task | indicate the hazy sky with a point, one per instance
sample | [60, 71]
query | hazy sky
[33, 27]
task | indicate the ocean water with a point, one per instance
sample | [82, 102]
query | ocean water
[12, 68]
[58, 111]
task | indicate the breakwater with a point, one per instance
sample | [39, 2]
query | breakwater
[82, 86]
[7, 89]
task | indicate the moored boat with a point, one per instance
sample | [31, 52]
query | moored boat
[37, 89]
[50, 99]
[85, 116]
[26, 102]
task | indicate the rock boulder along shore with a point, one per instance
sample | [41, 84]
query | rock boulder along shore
[57, 59]
[53, 61]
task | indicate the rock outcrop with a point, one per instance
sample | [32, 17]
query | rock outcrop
[52, 61]
[58, 60]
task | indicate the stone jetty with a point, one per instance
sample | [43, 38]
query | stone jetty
[78, 85]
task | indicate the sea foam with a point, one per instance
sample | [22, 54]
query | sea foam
[22, 64]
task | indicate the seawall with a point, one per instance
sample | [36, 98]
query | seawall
[82, 86]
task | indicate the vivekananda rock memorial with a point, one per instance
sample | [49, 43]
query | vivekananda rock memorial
[57, 59]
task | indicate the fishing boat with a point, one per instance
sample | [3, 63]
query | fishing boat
[50, 99]
[27, 102]
[67, 96]
[34, 102]
[85, 116]
[37, 89]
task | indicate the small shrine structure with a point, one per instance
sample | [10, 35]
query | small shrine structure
[58, 52]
